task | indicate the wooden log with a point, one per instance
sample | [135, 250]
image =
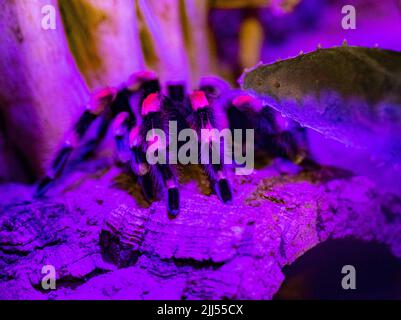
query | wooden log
[210, 251]
[198, 39]
[41, 90]
[161, 19]
[104, 38]
[251, 37]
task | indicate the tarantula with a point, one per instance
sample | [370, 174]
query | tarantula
[139, 106]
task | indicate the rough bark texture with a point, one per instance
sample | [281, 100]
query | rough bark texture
[107, 243]
[41, 90]
[104, 38]
[162, 20]
[198, 39]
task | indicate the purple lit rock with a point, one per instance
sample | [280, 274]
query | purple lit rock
[210, 251]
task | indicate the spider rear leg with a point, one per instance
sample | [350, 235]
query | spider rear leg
[139, 165]
[129, 151]
[273, 134]
[90, 147]
[213, 87]
[56, 168]
[62, 156]
[284, 138]
[99, 101]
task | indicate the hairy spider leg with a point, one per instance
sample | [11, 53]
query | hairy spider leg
[176, 107]
[125, 127]
[99, 101]
[140, 85]
[137, 156]
[204, 119]
[120, 129]
[105, 103]
[271, 134]
[279, 138]
[242, 113]
[121, 104]
[214, 87]
[163, 174]
[139, 165]
[246, 112]
[90, 147]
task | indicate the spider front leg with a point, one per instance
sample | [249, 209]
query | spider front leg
[282, 137]
[152, 132]
[120, 128]
[130, 153]
[129, 95]
[203, 118]
[138, 164]
[214, 88]
[126, 127]
[99, 102]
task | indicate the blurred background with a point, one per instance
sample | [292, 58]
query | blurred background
[288, 27]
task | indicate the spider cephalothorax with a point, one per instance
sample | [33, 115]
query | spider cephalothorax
[139, 109]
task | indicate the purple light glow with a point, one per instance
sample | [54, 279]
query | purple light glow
[95, 227]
